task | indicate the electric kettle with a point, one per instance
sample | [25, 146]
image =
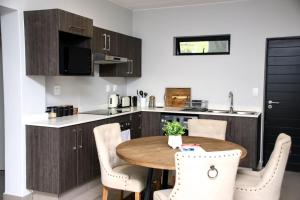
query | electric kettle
[113, 101]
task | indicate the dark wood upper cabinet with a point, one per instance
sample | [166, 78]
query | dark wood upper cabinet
[76, 24]
[116, 44]
[104, 41]
[44, 30]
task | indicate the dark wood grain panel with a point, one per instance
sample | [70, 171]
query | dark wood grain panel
[85, 145]
[150, 124]
[76, 24]
[41, 42]
[67, 158]
[244, 131]
[136, 128]
[42, 159]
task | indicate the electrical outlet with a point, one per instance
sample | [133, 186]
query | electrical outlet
[57, 90]
[255, 92]
[107, 88]
[115, 88]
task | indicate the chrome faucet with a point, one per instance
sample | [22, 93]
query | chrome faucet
[231, 101]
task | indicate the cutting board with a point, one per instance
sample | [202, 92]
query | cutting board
[177, 97]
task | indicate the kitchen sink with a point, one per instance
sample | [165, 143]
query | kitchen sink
[235, 112]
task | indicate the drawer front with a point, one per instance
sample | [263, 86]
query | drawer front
[76, 24]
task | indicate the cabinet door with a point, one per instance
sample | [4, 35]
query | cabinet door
[76, 24]
[245, 131]
[123, 69]
[104, 41]
[150, 124]
[135, 55]
[136, 128]
[85, 142]
[67, 158]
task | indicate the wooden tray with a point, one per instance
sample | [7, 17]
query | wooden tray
[177, 97]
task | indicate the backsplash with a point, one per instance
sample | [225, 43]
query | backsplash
[82, 91]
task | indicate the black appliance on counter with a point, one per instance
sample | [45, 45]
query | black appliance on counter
[181, 118]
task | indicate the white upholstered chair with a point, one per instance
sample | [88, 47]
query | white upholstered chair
[208, 176]
[115, 173]
[265, 184]
[207, 128]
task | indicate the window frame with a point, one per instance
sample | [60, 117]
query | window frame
[177, 40]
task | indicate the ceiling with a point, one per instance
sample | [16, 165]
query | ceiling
[149, 4]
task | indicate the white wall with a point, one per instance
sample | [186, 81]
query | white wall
[25, 95]
[212, 77]
[2, 157]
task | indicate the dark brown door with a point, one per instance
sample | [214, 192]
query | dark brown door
[136, 125]
[282, 94]
[85, 142]
[67, 158]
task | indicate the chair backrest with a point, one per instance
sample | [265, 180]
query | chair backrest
[273, 172]
[207, 128]
[209, 175]
[107, 138]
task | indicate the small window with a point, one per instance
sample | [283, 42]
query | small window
[202, 45]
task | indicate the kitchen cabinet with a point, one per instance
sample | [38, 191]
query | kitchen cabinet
[136, 125]
[59, 159]
[44, 30]
[104, 41]
[244, 131]
[150, 124]
[117, 44]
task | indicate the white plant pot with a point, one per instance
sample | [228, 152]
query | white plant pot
[175, 141]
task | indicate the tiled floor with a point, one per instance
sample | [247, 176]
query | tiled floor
[290, 187]
[1, 184]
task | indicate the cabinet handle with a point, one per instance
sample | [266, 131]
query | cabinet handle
[128, 67]
[75, 138]
[76, 27]
[104, 35]
[131, 66]
[108, 37]
[80, 131]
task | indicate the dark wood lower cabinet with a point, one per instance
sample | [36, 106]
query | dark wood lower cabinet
[150, 124]
[60, 159]
[244, 131]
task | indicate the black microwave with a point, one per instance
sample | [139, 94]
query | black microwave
[75, 60]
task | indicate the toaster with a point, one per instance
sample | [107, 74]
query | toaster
[125, 102]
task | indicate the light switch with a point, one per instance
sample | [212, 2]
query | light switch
[255, 92]
[57, 90]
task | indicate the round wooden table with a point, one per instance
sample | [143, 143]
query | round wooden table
[154, 152]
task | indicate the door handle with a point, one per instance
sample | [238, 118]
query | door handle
[270, 102]
[104, 35]
[75, 138]
[80, 146]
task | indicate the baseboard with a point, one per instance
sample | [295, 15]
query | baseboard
[89, 191]
[12, 197]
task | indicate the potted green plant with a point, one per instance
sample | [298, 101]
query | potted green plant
[174, 130]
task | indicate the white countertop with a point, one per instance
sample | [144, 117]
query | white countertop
[60, 122]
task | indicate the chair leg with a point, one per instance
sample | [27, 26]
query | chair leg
[121, 195]
[137, 196]
[104, 192]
